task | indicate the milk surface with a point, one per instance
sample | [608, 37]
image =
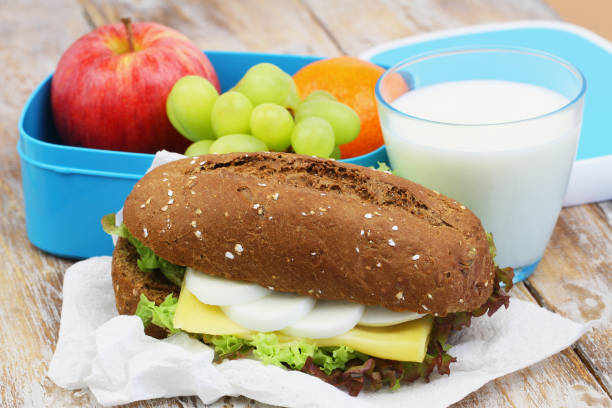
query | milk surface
[511, 172]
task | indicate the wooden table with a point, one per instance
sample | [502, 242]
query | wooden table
[574, 278]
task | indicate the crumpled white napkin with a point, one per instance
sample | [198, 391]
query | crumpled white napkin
[112, 356]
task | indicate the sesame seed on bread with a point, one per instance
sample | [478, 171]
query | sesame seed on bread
[315, 227]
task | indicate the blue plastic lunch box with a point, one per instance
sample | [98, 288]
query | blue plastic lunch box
[67, 190]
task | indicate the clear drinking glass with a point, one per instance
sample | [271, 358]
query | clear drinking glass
[496, 129]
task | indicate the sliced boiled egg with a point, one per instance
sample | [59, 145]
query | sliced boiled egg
[270, 313]
[213, 290]
[378, 316]
[329, 318]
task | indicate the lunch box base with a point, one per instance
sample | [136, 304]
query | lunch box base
[67, 189]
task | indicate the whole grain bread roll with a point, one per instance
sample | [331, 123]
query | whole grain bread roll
[315, 227]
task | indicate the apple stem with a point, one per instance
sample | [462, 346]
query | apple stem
[127, 22]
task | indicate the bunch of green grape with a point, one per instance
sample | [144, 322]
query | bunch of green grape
[263, 112]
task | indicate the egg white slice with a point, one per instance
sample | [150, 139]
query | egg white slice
[329, 318]
[378, 316]
[213, 290]
[270, 313]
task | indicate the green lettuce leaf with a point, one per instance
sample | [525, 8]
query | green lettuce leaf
[174, 273]
[228, 346]
[269, 350]
[492, 248]
[161, 315]
[334, 358]
[382, 166]
[108, 225]
[147, 260]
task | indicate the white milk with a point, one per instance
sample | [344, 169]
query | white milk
[512, 175]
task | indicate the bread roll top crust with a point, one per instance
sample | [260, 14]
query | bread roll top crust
[315, 227]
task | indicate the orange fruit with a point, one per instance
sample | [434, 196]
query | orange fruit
[352, 82]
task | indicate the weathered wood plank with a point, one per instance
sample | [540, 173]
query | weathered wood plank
[575, 279]
[31, 281]
[561, 380]
[359, 26]
[266, 26]
[538, 388]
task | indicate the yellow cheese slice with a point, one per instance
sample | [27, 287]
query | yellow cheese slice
[403, 342]
[194, 316]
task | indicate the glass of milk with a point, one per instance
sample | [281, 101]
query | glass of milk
[495, 129]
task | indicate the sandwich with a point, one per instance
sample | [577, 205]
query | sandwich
[347, 273]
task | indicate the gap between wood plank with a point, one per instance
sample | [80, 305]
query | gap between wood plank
[329, 34]
[592, 370]
[88, 19]
[537, 296]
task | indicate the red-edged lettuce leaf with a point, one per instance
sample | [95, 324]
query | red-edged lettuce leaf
[341, 366]
[374, 373]
[147, 260]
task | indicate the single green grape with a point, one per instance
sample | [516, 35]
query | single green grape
[293, 100]
[237, 143]
[189, 105]
[199, 148]
[320, 94]
[267, 83]
[313, 136]
[336, 153]
[231, 114]
[342, 118]
[273, 125]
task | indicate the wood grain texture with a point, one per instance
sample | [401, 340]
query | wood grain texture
[575, 279]
[32, 280]
[359, 26]
[559, 381]
[264, 25]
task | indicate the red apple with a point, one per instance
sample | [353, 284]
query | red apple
[110, 87]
